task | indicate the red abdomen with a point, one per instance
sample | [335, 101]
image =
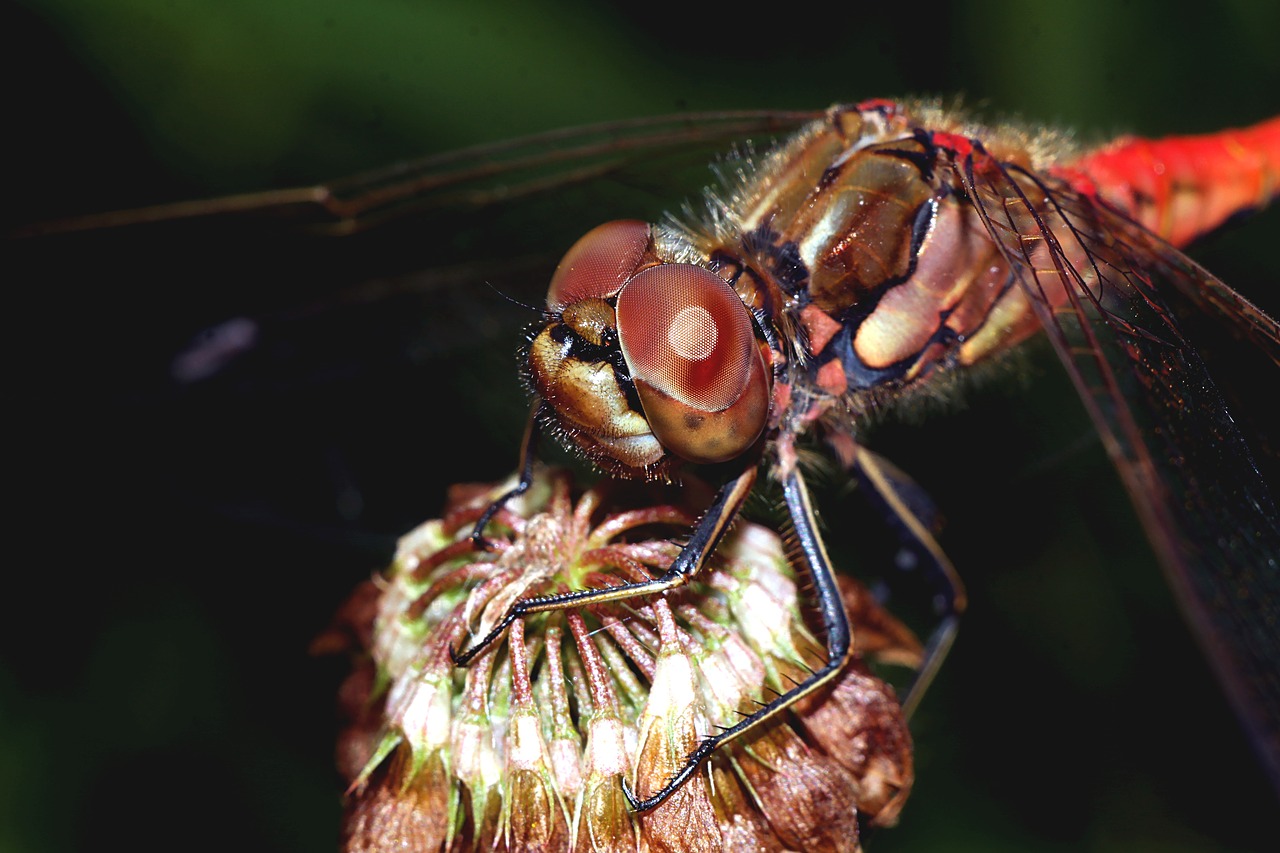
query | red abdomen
[1182, 187]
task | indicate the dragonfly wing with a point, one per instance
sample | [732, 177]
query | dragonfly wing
[321, 368]
[1098, 284]
[1201, 288]
[471, 178]
[371, 270]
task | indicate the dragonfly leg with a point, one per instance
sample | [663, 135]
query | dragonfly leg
[834, 620]
[903, 504]
[527, 445]
[692, 557]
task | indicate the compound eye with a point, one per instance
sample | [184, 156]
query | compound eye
[692, 352]
[684, 331]
[599, 263]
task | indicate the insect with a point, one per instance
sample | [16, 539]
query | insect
[1136, 253]
[883, 249]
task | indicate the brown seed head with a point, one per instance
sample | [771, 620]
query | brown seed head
[526, 748]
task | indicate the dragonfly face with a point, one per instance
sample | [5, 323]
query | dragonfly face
[646, 360]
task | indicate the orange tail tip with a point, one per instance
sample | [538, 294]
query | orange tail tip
[1182, 187]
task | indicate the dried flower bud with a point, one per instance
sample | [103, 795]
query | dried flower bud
[526, 748]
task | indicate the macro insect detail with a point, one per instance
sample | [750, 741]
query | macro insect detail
[881, 252]
[884, 252]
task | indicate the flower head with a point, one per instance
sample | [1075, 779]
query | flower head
[526, 747]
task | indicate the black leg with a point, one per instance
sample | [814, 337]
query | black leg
[904, 507]
[835, 623]
[527, 459]
[706, 536]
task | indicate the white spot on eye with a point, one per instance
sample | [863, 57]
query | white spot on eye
[693, 333]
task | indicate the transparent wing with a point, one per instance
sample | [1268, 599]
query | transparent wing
[470, 178]
[289, 375]
[424, 235]
[1102, 287]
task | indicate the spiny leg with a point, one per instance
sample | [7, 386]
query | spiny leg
[692, 557]
[891, 491]
[835, 623]
[527, 459]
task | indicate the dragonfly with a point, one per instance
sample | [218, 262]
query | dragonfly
[1071, 245]
[884, 249]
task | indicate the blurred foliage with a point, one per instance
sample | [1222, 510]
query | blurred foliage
[155, 688]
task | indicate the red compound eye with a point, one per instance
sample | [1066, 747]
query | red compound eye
[599, 263]
[689, 343]
[684, 331]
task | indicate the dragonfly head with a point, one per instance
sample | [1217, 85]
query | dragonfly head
[645, 362]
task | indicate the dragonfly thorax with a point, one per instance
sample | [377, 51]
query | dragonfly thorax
[644, 362]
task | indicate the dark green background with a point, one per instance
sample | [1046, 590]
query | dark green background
[178, 544]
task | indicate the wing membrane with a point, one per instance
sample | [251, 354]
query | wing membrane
[311, 288]
[1098, 283]
[468, 178]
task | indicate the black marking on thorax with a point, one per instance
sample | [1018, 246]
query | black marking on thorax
[781, 260]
